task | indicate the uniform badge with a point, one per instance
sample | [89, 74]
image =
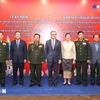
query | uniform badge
[77, 44]
[32, 47]
[84, 43]
[4, 44]
[40, 46]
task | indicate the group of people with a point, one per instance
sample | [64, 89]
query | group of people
[80, 52]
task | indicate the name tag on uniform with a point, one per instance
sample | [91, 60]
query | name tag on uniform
[84, 43]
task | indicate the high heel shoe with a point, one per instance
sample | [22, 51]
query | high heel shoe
[64, 83]
[69, 84]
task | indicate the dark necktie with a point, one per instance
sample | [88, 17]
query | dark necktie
[17, 42]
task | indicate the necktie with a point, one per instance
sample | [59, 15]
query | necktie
[53, 44]
[17, 42]
[96, 46]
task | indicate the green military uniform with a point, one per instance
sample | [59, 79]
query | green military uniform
[4, 55]
[36, 57]
[82, 55]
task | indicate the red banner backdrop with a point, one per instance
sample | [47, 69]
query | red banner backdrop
[43, 16]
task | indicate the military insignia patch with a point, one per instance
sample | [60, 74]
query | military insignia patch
[77, 44]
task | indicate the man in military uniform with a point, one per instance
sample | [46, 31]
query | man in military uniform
[4, 57]
[82, 58]
[36, 58]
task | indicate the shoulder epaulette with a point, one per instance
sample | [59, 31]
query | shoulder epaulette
[86, 39]
[5, 41]
[30, 42]
[41, 42]
[76, 40]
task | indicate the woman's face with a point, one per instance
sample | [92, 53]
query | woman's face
[68, 37]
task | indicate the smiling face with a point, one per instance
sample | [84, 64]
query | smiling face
[68, 37]
[36, 38]
[53, 35]
[81, 36]
[96, 38]
[17, 35]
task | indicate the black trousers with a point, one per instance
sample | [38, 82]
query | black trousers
[35, 76]
[93, 67]
[15, 69]
[84, 66]
[51, 66]
[2, 73]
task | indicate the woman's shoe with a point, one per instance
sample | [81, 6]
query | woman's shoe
[69, 84]
[65, 83]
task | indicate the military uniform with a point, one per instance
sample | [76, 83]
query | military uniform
[36, 57]
[82, 55]
[4, 55]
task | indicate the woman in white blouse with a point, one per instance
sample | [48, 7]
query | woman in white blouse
[68, 58]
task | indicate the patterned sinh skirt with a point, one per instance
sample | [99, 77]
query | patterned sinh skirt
[67, 66]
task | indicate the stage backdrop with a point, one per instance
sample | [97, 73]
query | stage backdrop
[43, 16]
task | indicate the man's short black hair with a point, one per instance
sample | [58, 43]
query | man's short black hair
[95, 35]
[67, 34]
[37, 34]
[2, 32]
[80, 32]
[17, 32]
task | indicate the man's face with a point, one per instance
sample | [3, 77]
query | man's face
[81, 36]
[53, 35]
[36, 38]
[96, 38]
[1, 36]
[68, 37]
[18, 35]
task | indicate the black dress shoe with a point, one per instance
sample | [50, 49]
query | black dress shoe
[55, 84]
[85, 84]
[39, 85]
[77, 83]
[2, 84]
[98, 83]
[22, 84]
[31, 85]
[15, 83]
[50, 84]
[92, 82]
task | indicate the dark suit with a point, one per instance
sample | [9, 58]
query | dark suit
[18, 55]
[53, 56]
[95, 62]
